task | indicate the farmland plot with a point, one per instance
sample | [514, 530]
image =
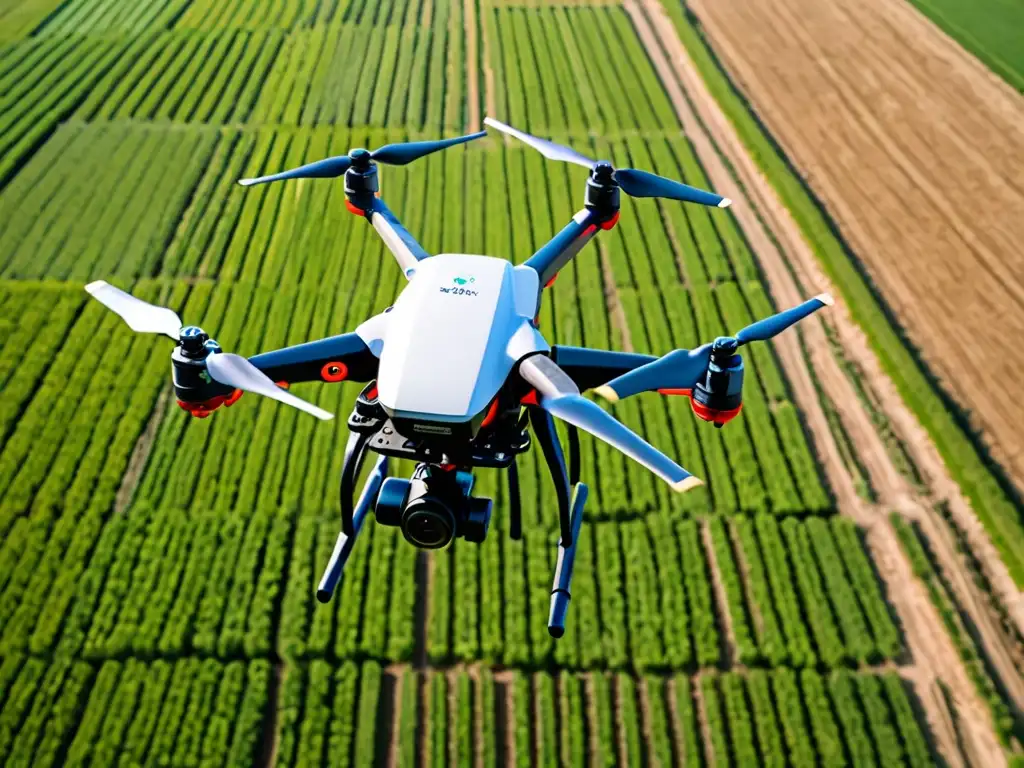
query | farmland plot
[156, 572]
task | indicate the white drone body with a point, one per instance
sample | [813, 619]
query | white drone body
[453, 336]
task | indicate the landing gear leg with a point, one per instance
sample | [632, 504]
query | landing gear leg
[544, 429]
[566, 561]
[515, 503]
[343, 546]
[355, 452]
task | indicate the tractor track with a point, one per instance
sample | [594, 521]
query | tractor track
[792, 272]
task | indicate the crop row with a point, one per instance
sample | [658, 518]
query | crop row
[329, 715]
[651, 607]
[228, 230]
[66, 458]
[189, 712]
[247, 14]
[802, 593]
[366, 73]
[41, 82]
[1007, 725]
[548, 80]
[165, 582]
[109, 17]
[758, 718]
[197, 77]
[103, 203]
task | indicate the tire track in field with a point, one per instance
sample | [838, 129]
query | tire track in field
[931, 649]
[140, 455]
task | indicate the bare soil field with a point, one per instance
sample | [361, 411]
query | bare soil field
[916, 150]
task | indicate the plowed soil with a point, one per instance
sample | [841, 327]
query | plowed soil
[917, 151]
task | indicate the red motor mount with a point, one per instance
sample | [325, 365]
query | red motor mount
[204, 408]
[716, 416]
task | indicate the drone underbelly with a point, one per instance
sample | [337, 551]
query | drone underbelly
[445, 353]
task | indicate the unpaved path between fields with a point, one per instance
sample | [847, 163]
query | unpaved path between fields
[727, 645]
[424, 582]
[140, 455]
[892, 487]
[613, 303]
[400, 678]
[505, 716]
[270, 737]
[932, 652]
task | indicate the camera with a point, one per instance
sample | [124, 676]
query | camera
[434, 507]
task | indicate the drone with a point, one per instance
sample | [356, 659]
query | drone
[457, 375]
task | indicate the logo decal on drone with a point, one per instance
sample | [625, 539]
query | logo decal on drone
[460, 291]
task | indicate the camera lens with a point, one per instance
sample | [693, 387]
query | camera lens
[428, 523]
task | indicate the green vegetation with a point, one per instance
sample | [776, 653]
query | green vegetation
[990, 30]
[157, 572]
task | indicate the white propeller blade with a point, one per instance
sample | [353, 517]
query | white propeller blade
[560, 397]
[140, 315]
[549, 149]
[235, 371]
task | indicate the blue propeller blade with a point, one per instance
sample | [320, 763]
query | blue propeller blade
[400, 154]
[680, 369]
[634, 183]
[390, 154]
[330, 168]
[643, 184]
[765, 329]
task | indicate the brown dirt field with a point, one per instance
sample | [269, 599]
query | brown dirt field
[933, 657]
[916, 150]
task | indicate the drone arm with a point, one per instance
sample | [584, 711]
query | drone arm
[560, 249]
[395, 236]
[338, 358]
[590, 368]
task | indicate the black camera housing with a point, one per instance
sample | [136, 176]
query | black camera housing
[434, 507]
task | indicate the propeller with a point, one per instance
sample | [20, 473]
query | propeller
[390, 154]
[633, 182]
[560, 397]
[140, 316]
[227, 369]
[682, 368]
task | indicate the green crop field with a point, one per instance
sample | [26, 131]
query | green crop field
[990, 30]
[157, 572]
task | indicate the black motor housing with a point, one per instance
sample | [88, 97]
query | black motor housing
[434, 507]
[192, 382]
